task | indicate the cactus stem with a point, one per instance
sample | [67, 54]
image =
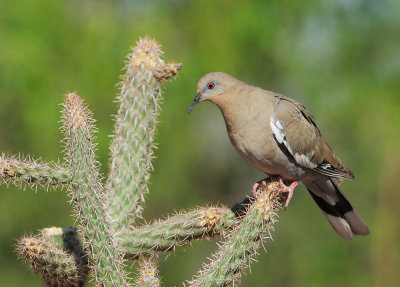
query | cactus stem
[132, 146]
[56, 255]
[88, 196]
[30, 172]
[177, 230]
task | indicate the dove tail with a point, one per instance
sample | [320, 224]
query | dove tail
[344, 219]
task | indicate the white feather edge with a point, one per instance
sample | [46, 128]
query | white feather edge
[277, 128]
[278, 132]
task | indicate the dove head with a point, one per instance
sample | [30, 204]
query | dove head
[212, 87]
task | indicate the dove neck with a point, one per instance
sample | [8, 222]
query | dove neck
[234, 108]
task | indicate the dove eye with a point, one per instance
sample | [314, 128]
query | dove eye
[211, 85]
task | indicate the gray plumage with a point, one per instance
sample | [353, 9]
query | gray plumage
[278, 136]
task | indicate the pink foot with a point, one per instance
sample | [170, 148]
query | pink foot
[289, 189]
[284, 188]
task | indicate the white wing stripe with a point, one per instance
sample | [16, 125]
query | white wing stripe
[280, 135]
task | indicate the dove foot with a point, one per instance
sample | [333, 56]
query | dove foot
[289, 189]
[284, 188]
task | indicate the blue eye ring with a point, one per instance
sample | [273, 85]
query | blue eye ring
[211, 85]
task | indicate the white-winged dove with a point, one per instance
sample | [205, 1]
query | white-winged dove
[279, 137]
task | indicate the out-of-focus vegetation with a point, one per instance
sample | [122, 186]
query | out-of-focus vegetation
[340, 58]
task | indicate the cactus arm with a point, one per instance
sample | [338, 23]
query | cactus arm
[88, 196]
[56, 255]
[132, 145]
[32, 172]
[177, 230]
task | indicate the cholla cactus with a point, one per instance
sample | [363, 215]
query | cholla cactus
[57, 256]
[106, 213]
[32, 172]
[88, 195]
[177, 230]
[133, 142]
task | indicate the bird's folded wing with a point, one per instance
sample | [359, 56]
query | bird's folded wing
[296, 133]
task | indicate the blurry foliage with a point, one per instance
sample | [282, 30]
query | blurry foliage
[340, 58]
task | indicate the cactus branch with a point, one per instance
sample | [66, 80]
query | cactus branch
[165, 72]
[228, 264]
[132, 146]
[177, 230]
[88, 195]
[57, 255]
[32, 172]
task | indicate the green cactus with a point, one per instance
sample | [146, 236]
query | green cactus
[88, 194]
[132, 146]
[106, 213]
[162, 235]
[57, 256]
[32, 172]
[177, 230]
[234, 255]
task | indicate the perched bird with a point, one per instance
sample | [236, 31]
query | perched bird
[279, 136]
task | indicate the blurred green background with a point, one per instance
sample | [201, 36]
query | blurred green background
[340, 58]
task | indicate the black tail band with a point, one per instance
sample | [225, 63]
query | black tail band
[341, 207]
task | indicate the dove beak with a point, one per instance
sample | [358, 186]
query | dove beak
[196, 100]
